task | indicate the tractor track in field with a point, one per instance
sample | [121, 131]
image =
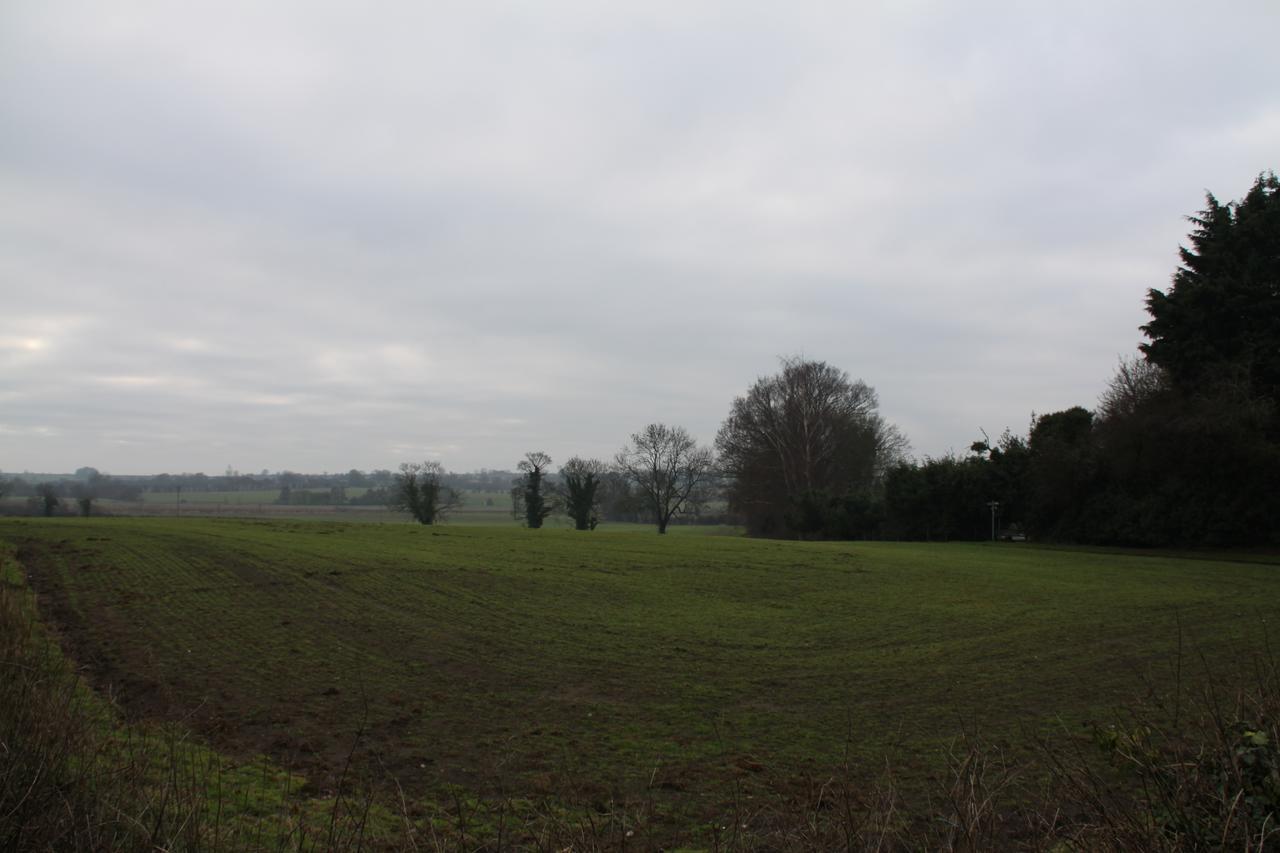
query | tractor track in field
[316, 741]
[97, 662]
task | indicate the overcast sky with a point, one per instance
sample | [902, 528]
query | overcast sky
[323, 236]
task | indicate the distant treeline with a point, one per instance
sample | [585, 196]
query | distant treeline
[86, 482]
[617, 499]
[132, 486]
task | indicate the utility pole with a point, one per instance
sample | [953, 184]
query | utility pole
[995, 505]
[178, 502]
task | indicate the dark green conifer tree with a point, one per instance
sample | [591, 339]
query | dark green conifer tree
[1220, 320]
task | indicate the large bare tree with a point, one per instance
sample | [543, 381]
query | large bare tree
[666, 465]
[798, 440]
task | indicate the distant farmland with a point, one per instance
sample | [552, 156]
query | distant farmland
[244, 496]
[478, 507]
[593, 668]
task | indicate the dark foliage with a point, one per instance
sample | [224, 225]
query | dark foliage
[1220, 321]
[1061, 473]
[48, 497]
[1184, 448]
[529, 497]
[1186, 469]
[938, 500]
[420, 491]
[580, 481]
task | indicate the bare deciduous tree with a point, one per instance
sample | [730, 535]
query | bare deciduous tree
[419, 490]
[801, 438]
[666, 465]
[1136, 381]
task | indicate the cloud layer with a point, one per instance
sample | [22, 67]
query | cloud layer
[320, 236]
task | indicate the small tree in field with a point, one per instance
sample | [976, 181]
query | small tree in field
[419, 490]
[666, 465]
[528, 497]
[48, 498]
[581, 479]
[85, 496]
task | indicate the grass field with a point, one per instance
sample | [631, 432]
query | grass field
[496, 660]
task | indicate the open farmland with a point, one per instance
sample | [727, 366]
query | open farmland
[477, 507]
[590, 667]
[191, 496]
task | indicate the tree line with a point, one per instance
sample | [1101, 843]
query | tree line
[662, 474]
[1182, 448]
[46, 496]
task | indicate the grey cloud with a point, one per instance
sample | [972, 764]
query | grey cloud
[321, 235]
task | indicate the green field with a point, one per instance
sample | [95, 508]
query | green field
[592, 666]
